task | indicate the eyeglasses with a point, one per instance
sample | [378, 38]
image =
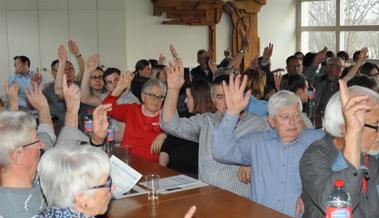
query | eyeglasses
[97, 77]
[107, 184]
[372, 127]
[155, 97]
[286, 117]
[37, 141]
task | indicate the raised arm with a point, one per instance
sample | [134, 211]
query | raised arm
[74, 49]
[100, 123]
[72, 99]
[86, 98]
[354, 70]
[267, 53]
[39, 102]
[62, 57]
[12, 95]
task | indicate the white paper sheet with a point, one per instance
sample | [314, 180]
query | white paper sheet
[123, 176]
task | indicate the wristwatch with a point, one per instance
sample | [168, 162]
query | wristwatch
[241, 51]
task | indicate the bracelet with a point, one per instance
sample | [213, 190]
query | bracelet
[96, 145]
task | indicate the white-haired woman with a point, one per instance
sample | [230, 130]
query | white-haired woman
[75, 182]
[142, 134]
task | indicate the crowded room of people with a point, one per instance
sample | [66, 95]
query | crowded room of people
[189, 108]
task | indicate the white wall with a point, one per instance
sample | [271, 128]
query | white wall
[277, 24]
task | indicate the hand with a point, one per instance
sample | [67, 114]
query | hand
[37, 77]
[162, 59]
[320, 57]
[71, 96]
[278, 80]
[363, 55]
[235, 99]
[73, 47]
[353, 109]
[173, 51]
[190, 212]
[62, 54]
[175, 74]
[36, 98]
[100, 123]
[92, 63]
[299, 207]
[11, 91]
[157, 143]
[267, 52]
[244, 173]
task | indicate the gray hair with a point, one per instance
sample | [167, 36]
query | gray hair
[332, 60]
[67, 171]
[154, 83]
[283, 98]
[333, 119]
[16, 130]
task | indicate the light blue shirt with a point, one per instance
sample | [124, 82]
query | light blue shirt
[257, 106]
[275, 178]
[24, 81]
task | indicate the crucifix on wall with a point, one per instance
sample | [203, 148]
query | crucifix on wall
[242, 13]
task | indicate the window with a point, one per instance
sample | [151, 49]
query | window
[339, 25]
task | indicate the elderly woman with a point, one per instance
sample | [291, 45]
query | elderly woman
[142, 130]
[75, 182]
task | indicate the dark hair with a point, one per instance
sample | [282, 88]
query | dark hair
[1, 103]
[201, 92]
[343, 55]
[218, 80]
[201, 51]
[291, 58]
[299, 54]
[356, 55]
[367, 68]
[23, 59]
[99, 68]
[109, 71]
[363, 80]
[55, 62]
[141, 64]
[154, 63]
[256, 82]
[308, 59]
[330, 54]
[293, 82]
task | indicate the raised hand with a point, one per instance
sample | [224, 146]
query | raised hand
[12, 94]
[173, 51]
[267, 52]
[363, 55]
[73, 47]
[62, 54]
[100, 123]
[92, 63]
[71, 96]
[36, 98]
[37, 77]
[278, 80]
[124, 83]
[320, 57]
[162, 59]
[175, 74]
[235, 98]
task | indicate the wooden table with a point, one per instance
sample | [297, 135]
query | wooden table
[211, 202]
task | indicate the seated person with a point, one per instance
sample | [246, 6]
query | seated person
[274, 154]
[297, 84]
[257, 82]
[143, 72]
[349, 151]
[180, 154]
[142, 129]
[199, 128]
[75, 181]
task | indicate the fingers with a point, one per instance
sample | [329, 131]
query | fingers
[190, 212]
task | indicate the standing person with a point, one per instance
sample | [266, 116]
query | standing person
[199, 128]
[349, 151]
[273, 154]
[202, 71]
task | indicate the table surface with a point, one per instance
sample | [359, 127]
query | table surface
[211, 202]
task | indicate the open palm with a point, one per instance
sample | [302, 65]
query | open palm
[236, 99]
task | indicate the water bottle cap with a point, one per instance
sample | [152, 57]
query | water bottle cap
[340, 183]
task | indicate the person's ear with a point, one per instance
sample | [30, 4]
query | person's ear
[16, 156]
[81, 201]
[271, 121]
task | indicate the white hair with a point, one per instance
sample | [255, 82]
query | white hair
[67, 171]
[283, 98]
[333, 60]
[333, 118]
[154, 83]
[16, 130]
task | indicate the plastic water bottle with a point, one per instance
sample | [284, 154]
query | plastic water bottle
[88, 125]
[110, 142]
[338, 202]
[311, 92]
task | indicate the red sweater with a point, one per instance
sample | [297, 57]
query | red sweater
[140, 130]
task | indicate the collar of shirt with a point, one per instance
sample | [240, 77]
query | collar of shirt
[273, 134]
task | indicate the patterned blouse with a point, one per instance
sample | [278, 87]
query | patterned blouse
[55, 212]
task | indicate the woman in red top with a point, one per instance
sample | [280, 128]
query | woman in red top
[142, 131]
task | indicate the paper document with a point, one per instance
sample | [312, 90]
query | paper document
[136, 190]
[177, 183]
[123, 177]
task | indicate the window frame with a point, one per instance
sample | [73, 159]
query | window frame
[337, 29]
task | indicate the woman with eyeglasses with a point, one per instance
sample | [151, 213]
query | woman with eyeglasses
[143, 136]
[75, 182]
